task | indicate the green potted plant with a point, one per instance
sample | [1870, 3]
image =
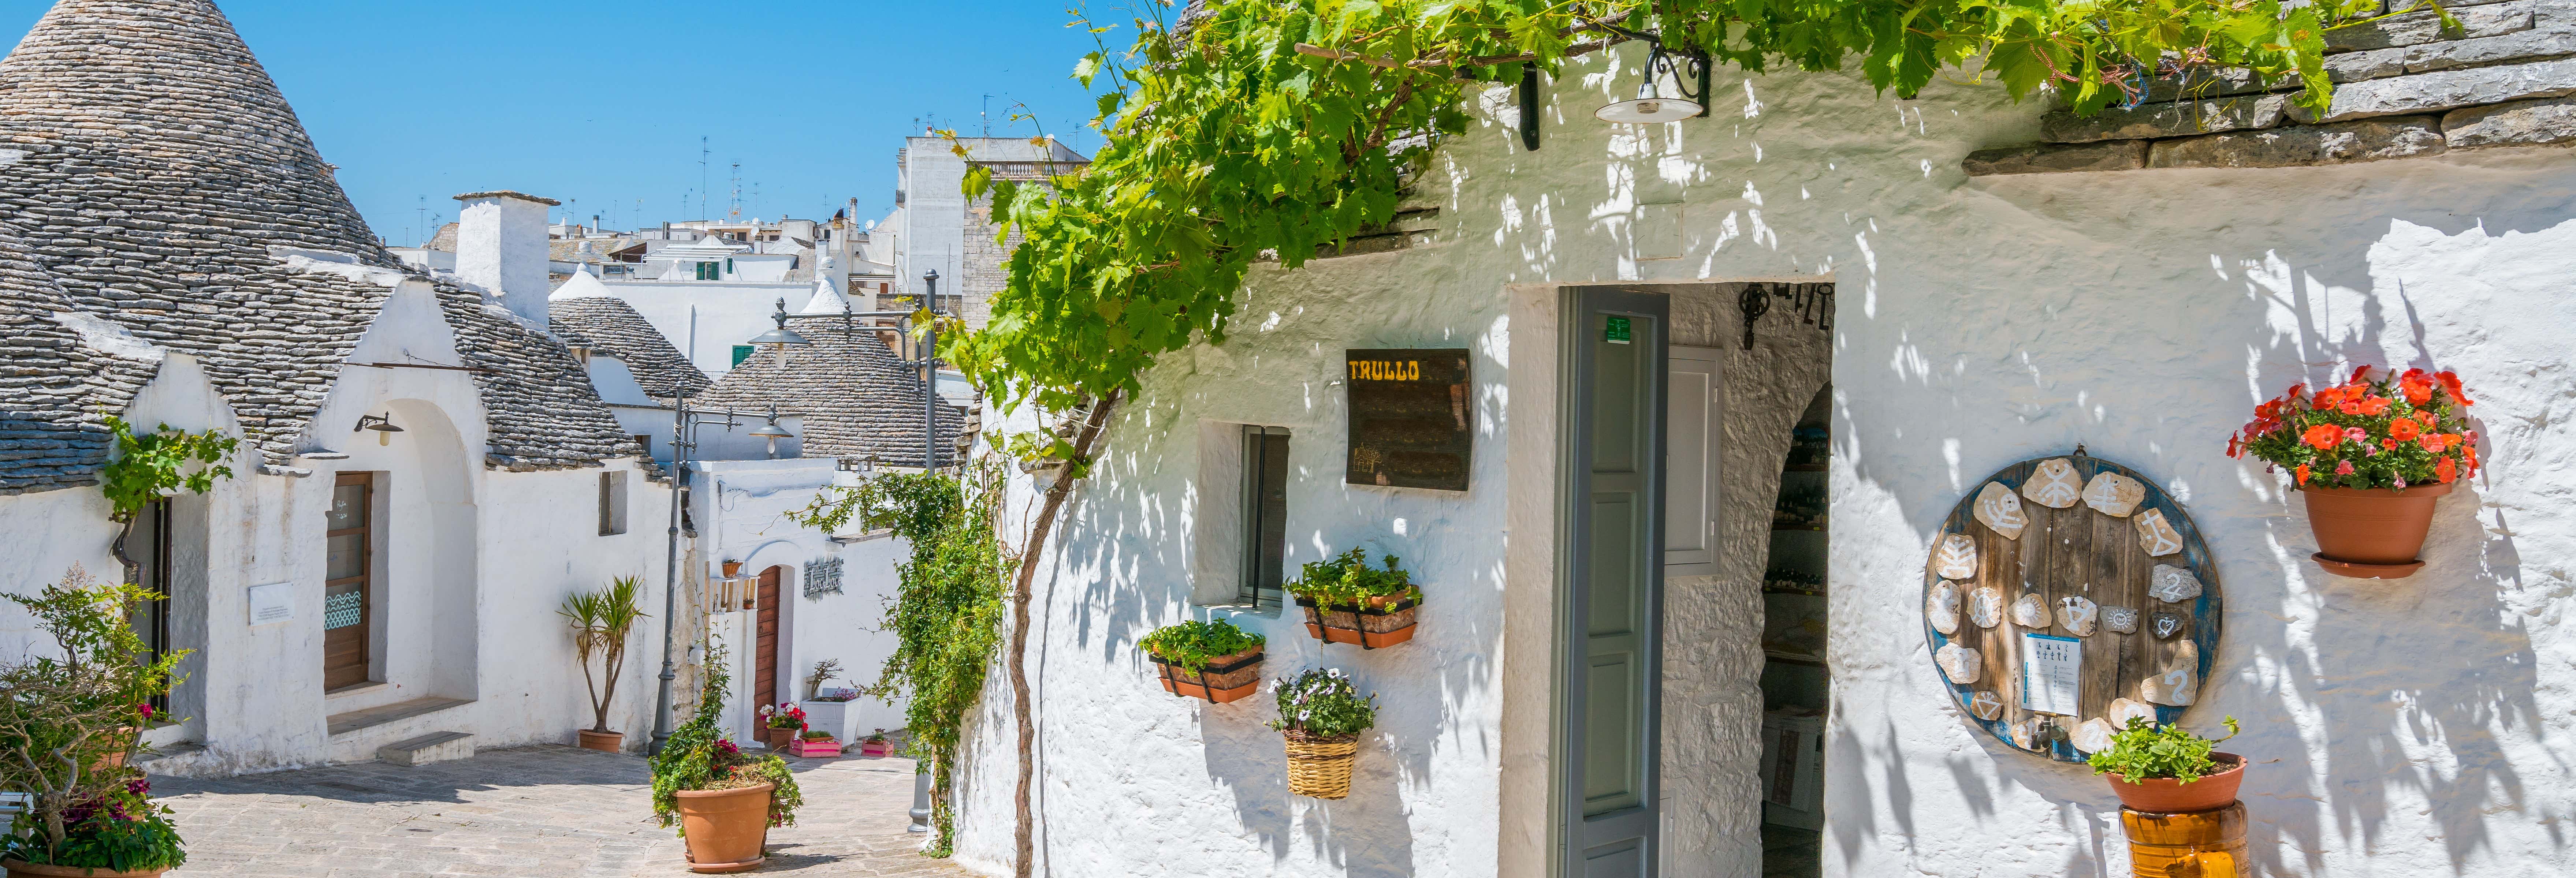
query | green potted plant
[1214, 661]
[723, 799]
[1347, 601]
[601, 621]
[2369, 459]
[1321, 716]
[781, 725]
[68, 726]
[2167, 769]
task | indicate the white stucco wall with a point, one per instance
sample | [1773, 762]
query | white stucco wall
[2412, 727]
[728, 313]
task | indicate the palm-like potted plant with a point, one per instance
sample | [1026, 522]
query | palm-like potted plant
[1209, 660]
[2369, 457]
[2167, 769]
[1321, 715]
[601, 621]
[1347, 601]
[723, 798]
[68, 724]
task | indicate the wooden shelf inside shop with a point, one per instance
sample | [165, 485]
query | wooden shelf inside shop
[1804, 468]
[1793, 659]
[1797, 528]
[1810, 592]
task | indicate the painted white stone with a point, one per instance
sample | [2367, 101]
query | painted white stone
[2025, 733]
[2173, 585]
[2030, 611]
[2178, 683]
[2053, 484]
[2165, 624]
[2121, 710]
[2000, 509]
[2121, 619]
[1956, 558]
[2114, 494]
[1986, 606]
[2077, 615]
[1941, 607]
[2156, 535]
[1958, 663]
[2094, 736]
[1986, 704]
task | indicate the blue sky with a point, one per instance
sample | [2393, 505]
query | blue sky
[605, 102]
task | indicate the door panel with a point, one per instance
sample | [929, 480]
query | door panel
[764, 685]
[1611, 597]
[348, 608]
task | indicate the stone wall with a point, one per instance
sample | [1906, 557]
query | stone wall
[2405, 86]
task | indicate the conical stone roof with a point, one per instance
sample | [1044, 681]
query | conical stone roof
[162, 182]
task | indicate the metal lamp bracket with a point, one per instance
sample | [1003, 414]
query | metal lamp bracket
[1688, 67]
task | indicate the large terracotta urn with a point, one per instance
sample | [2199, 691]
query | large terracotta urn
[725, 829]
[2371, 533]
[23, 869]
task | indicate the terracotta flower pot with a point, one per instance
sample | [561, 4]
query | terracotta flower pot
[23, 869]
[605, 742]
[2164, 795]
[1386, 621]
[2371, 533]
[725, 829]
[1224, 679]
[779, 739]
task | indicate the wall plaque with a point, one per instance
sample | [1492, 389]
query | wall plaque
[274, 602]
[1411, 418]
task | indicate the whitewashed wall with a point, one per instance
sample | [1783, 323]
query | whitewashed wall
[2414, 727]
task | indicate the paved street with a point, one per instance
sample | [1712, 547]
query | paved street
[558, 812]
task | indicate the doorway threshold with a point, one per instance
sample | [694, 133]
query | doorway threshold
[360, 720]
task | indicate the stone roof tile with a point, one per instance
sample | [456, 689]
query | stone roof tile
[609, 325]
[856, 399]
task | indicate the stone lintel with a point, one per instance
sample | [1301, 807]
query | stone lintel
[2522, 123]
[2165, 120]
[2297, 146]
[2109, 155]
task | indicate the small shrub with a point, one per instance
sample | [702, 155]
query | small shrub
[1322, 702]
[698, 757]
[2149, 751]
[1192, 644]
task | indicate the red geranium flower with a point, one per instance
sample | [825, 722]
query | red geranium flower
[2417, 386]
[2451, 384]
[2404, 430]
[2324, 436]
[2359, 374]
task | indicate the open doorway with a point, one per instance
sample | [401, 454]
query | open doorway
[1796, 685]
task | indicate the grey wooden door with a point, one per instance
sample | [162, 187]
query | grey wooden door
[1610, 594]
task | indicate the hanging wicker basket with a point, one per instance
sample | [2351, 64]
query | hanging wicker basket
[1224, 678]
[1319, 765]
[1384, 623]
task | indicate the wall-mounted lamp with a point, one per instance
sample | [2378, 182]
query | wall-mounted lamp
[773, 432]
[1650, 106]
[382, 424]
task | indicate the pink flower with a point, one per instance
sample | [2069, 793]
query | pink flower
[2344, 468]
[2432, 442]
[2356, 434]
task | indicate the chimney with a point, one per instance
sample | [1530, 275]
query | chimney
[501, 246]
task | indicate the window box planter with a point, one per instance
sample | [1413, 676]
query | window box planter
[837, 717]
[878, 747]
[1385, 622]
[1225, 678]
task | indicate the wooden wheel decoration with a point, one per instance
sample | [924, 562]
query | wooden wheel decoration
[2065, 595]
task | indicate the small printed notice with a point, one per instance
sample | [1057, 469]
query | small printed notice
[2052, 674]
[1617, 332]
[274, 602]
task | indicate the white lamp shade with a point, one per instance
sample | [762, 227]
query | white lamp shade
[1648, 108]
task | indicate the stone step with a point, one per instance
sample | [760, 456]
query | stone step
[361, 720]
[432, 747]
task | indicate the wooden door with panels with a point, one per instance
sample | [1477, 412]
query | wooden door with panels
[764, 648]
[348, 602]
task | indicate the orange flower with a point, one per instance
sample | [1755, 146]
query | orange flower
[2451, 384]
[2359, 374]
[2302, 470]
[2235, 444]
[2375, 405]
[2404, 430]
[2349, 408]
[2387, 444]
[2447, 470]
[2451, 440]
[2328, 398]
[2324, 436]
[2417, 386]
[2424, 418]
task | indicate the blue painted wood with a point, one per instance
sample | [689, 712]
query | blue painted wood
[2123, 555]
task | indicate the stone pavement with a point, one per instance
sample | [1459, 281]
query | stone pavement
[558, 812]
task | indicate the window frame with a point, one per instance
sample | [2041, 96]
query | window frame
[1258, 451]
[612, 502]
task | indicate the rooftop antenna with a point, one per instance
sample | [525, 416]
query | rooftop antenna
[702, 177]
[987, 115]
[423, 213]
[736, 213]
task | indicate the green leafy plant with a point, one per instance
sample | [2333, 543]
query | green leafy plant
[70, 723]
[1270, 128]
[1322, 702]
[602, 620]
[1192, 644]
[2408, 428]
[148, 466]
[697, 756]
[1347, 581]
[2146, 750]
[947, 609]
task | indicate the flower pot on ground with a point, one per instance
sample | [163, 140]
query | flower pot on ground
[876, 745]
[601, 622]
[2369, 458]
[723, 799]
[1347, 601]
[781, 725]
[815, 745]
[68, 725]
[2167, 769]
[1321, 716]
[22, 869]
[1213, 661]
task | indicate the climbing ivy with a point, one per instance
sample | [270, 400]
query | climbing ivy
[148, 465]
[1268, 127]
[947, 606]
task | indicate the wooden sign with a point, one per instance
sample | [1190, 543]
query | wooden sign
[2064, 595]
[1412, 421]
